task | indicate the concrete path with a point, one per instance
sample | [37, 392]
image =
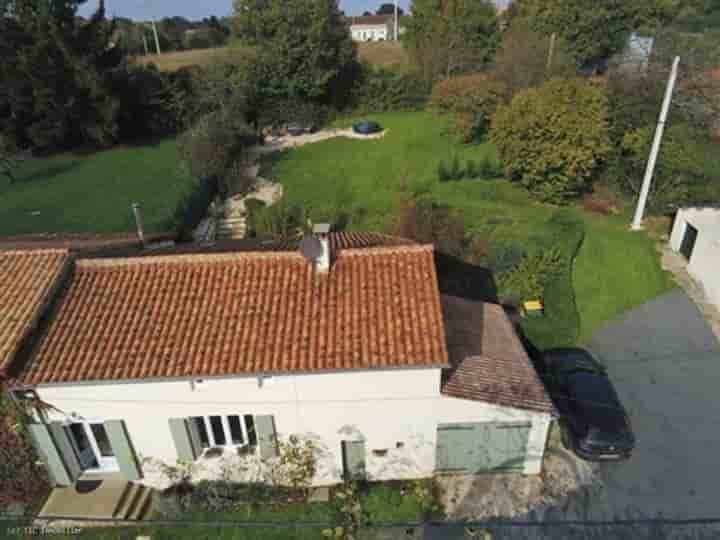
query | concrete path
[676, 263]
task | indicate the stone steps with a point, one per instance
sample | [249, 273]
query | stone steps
[134, 503]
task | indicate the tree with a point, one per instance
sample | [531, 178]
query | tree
[366, 14]
[8, 158]
[57, 76]
[551, 139]
[303, 48]
[449, 37]
[521, 61]
[593, 29]
[471, 100]
[389, 9]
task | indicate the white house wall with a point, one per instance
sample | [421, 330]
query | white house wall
[393, 410]
[705, 260]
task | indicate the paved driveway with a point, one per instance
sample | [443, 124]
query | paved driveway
[665, 363]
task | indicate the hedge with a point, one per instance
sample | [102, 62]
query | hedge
[384, 90]
[560, 327]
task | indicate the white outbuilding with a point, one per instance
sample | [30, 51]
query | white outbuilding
[696, 235]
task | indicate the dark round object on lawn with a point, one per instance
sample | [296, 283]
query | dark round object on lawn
[367, 127]
[295, 130]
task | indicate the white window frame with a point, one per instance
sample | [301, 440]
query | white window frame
[226, 430]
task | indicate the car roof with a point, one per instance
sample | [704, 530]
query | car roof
[592, 388]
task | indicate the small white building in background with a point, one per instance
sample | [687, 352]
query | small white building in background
[371, 28]
[696, 235]
[213, 359]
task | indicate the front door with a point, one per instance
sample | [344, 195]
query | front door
[688, 243]
[92, 446]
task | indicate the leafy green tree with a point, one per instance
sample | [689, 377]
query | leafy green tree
[303, 48]
[471, 100]
[551, 139]
[449, 37]
[594, 29]
[56, 75]
[389, 9]
[521, 61]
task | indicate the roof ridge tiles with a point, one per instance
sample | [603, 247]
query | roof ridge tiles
[197, 258]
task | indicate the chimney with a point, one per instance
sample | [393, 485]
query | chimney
[137, 210]
[322, 231]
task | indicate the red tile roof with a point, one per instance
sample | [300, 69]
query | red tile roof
[27, 282]
[222, 314]
[371, 20]
[489, 362]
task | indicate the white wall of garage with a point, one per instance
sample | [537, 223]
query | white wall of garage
[394, 410]
[704, 264]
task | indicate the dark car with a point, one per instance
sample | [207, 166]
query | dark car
[367, 127]
[594, 423]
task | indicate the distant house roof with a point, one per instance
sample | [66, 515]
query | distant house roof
[27, 283]
[369, 20]
[489, 362]
[242, 313]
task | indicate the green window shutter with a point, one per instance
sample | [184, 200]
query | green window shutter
[186, 438]
[122, 447]
[354, 460]
[65, 448]
[49, 453]
[266, 436]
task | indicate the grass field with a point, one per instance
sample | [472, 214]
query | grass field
[384, 53]
[93, 194]
[615, 270]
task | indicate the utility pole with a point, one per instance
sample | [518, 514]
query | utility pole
[551, 52]
[144, 37]
[397, 37]
[157, 41]
[645, 190]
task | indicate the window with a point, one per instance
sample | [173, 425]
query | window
[230, 430]
[102, 440]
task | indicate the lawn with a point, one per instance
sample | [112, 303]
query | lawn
[615, 270]
[93, 193]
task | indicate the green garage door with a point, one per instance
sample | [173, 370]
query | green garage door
[473, 448]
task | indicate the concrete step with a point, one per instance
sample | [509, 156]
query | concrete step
[126, 500]
[134, 503]
[142, 505]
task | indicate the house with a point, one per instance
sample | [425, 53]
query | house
[132, 365]
[371, 27]
[696, 236]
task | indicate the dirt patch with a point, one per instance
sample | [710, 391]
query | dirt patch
[477, 497]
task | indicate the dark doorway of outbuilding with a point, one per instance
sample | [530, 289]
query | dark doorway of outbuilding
[688, 243]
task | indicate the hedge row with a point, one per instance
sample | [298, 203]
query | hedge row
[381, 89]
[560, 327]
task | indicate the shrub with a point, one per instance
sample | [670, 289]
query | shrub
[471, 100]
[486, 168]
[281, 112]
[423, 220]
[214, 143]
[471, 169]
[560, 326]
[280, 220]
[528, 279]
[146, 107]
[456, 170]
[443, 172]
[551, 139]
[193, 207]
[504, 256]
[20, 480]
[381, 89]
